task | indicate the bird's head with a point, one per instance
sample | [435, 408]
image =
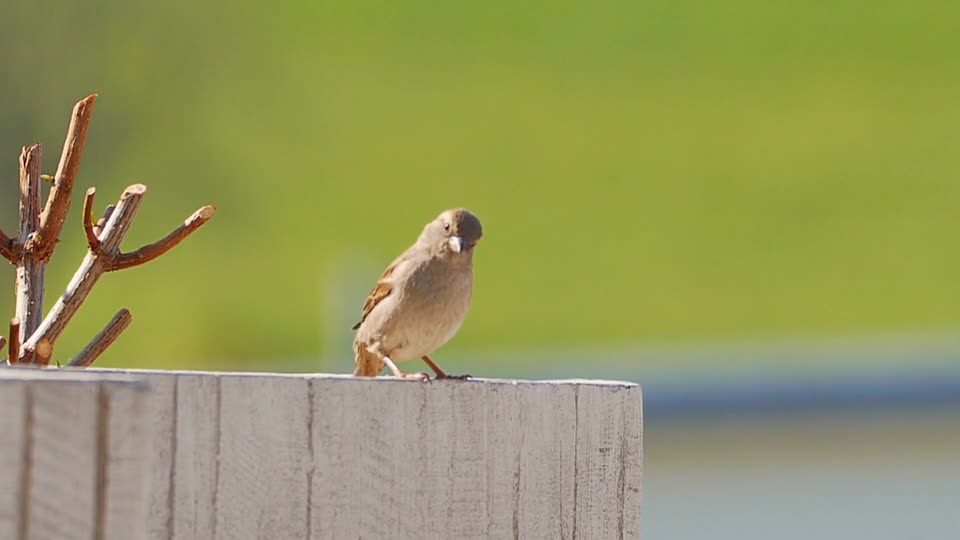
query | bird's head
[455, 231]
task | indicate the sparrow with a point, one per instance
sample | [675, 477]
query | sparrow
[421, 300]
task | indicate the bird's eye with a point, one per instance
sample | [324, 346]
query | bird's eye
[446, 226]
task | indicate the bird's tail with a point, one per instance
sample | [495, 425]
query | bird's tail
[366, 364]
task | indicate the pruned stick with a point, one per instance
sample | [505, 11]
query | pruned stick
[30, 267]
[14, 339]
[44, 352]
[90, 270]
[58, 201]
[152, 251]
[8, 248]
[88, 226]
[103, 340]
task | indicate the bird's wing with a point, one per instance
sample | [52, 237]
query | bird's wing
[382, 290]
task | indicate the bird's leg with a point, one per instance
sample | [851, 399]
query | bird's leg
[440, 373]
[397, 372]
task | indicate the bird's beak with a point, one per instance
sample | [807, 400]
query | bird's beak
[456, 243]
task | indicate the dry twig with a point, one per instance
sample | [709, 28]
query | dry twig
[88, 227]
[93, 266]
[152, 251]
[14, 340]
[40, 231]
[103, 340]
[8, 248]
[58, 201]
[105, 256]
[31, 339]
[30, 267]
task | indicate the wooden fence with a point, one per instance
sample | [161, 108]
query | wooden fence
[101, 454]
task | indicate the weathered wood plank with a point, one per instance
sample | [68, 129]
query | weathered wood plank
[64, 476]
[363, 460]
[601, 462]
[13, 418]
[547, 466]
[464, 460]
[632, 462]
[262, 484]
[126, 453]
[161, 476]
[196, 457]
[314, 457]
[62, 498]
[185, 410]
[503, 434]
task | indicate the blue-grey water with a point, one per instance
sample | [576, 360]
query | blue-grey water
[854, 476]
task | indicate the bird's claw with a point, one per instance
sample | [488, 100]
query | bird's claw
[419, 375]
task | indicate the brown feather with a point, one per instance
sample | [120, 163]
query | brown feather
[379, 292]
[366, 364]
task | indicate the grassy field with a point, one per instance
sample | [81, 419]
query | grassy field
[646, 172]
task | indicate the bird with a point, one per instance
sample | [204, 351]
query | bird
[421, 300]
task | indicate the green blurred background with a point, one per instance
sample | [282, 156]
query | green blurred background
[749, 207]
[647, 172]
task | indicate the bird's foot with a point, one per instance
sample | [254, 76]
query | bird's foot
[441, 374]
[400, 374]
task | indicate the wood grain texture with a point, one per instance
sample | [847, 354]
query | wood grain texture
[602, 468]
[124, 452]
[183, 476]
[474, 460]
[196, 456]
[262, 480]
[632, 463]
[547, 464]
[240, 456]
[13, 421]
[160, 478]
[68, 469]
[62, 500]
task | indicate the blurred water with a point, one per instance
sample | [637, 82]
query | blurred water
[882, 476]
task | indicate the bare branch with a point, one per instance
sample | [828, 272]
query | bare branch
[88, 226]
[103, 340]
[107, 212]
[90, 270]
[8, 248]
[152, 251]
[14, 339]
[32, 338]
[29, 190]
[58, 202]
[30, 267]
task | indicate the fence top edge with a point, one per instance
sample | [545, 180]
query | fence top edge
[350, 378]
[12, 374]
